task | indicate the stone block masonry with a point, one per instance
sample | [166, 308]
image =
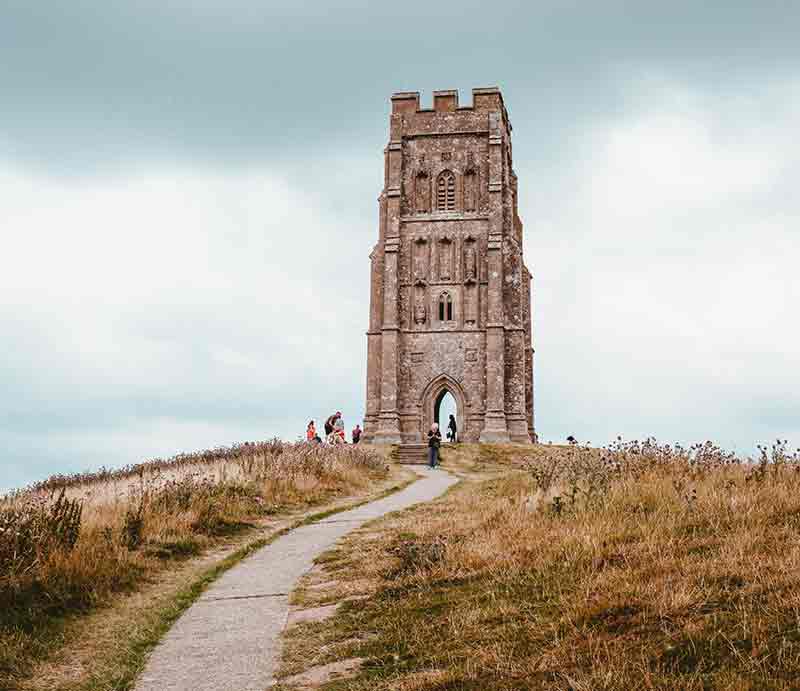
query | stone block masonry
[450, 301]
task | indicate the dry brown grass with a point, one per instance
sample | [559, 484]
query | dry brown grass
[71, 544]
[636, 566]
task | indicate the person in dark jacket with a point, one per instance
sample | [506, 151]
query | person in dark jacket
[452, 429]
[329, 423]
[434, 441]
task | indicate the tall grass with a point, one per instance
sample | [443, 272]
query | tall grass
[69, 543]
[640, 565]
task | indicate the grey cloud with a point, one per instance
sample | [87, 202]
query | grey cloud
[88, 83]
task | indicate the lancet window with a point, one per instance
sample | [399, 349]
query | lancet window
[446, 191]
[445, 307]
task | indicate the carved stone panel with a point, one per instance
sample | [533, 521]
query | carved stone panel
[421, 252]
[445, 259]
[470, 260]
[471, 305]
[422, 193]
[420, 308]
[470, 190]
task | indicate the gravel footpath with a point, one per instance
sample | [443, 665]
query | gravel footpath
[229, 639]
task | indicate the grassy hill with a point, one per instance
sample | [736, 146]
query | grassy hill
[635, 566]
[94, 567]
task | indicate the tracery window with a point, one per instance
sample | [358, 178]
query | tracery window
[446, 191]
[445, 307]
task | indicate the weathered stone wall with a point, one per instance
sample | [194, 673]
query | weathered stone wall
[450, 300]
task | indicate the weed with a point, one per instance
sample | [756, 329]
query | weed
[132, 526]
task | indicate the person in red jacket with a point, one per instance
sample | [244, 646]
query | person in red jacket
[311, 432]
[356, 434]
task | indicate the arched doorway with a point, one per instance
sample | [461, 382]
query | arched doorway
[441, 397]
[443, 407]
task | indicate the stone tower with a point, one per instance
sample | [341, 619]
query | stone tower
[450, 307]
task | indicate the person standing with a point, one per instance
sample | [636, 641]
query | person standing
[338, 428]
[311, 432]
[329, 425]
[452, 429]
[434, 441]
[356, 434]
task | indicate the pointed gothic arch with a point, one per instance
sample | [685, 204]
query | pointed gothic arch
[431, 399]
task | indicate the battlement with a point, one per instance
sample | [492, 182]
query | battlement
[446, 101]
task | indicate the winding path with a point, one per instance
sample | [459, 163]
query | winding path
[229, 639]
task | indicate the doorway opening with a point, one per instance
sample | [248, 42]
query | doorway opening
[445, 406]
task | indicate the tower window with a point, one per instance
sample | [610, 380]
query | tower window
[445, 307]
[446, 191]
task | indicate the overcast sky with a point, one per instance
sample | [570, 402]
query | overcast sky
[188, 200]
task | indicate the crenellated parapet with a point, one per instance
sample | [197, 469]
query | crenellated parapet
[446, 116]
[484, 100]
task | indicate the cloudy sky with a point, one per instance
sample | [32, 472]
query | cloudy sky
[188, 200]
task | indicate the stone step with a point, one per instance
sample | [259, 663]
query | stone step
[410, 454]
